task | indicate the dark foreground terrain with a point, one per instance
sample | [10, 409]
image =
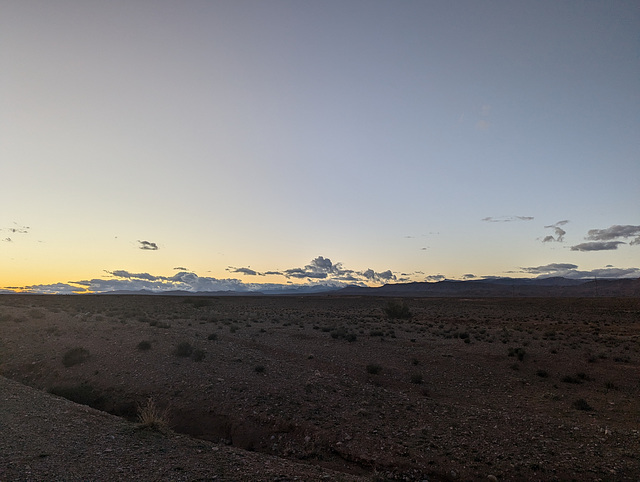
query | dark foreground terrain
[465, 389]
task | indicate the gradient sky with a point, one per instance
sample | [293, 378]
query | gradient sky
[191, 144]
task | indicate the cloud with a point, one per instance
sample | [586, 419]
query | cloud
[435, 277]
[246, 271]
[468, 276]
[507, 219]
[597, 246]
[180, 268]
[320, 273]
[126, 274]
[318, 268]
[614, 232]
[147, 245]
[382, 277]
[609, 239]
[17, 229]
[567, 270]
[550, 268]
[55, 289]
[558, 231]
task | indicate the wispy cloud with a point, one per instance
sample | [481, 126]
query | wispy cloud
[435, 277]
[614, 232]
[558, 231]
[597, 246]
[506, 219]
[15, 229]
[56, 289]
[568, 270]
[245, 271]
[552, 268]
[147, 245]
[609, 239]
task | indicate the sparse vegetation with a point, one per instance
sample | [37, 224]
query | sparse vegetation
[571, 379]
[144, 345]
[581, 404]
[417, 378]
[517, 352]
[397, 311]
[151, 417]
[184, 349]
[291, 373]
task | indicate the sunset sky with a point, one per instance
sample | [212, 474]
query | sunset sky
[208, 145]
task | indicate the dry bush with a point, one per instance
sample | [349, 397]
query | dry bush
[152, 417]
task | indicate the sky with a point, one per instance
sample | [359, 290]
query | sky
[243, 144]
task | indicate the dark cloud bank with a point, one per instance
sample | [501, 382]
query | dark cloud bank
[609, 239]
[320, 274]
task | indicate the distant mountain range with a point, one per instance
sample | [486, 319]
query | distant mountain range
[484, 288]
[505, 287]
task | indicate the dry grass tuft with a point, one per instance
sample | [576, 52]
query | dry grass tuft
[152, 417]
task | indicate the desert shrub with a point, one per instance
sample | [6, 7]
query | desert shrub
[34, 313]
[584, 376]
[259, 369]
[376, 333]
[342, 332]
[519, 352]
[397, 311]
[150, 416]
[581, 404]
[198, 355]
[144, 345]
[184, 349]
[212, 336]
[75, 356]
[416, 378]
[610, 386]
[571, 379]
[374, 369]
[542, 373]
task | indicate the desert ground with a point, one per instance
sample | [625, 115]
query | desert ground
[352, 387]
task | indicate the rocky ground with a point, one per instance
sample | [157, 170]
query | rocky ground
[516, 389]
